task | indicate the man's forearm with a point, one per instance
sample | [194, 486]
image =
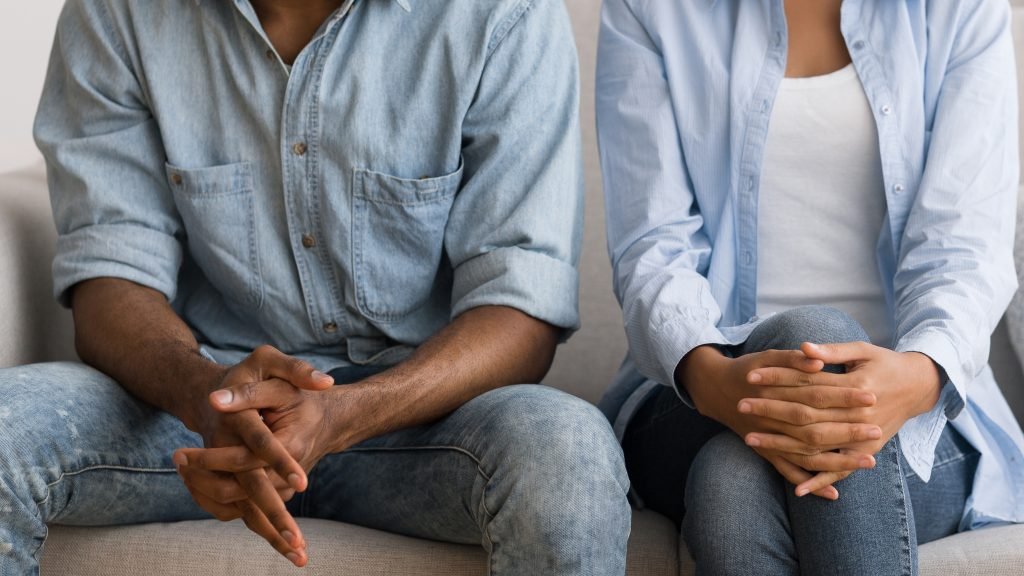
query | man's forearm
[483, 349]
[132, 334]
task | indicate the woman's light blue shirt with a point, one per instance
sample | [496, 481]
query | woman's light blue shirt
[684, 96]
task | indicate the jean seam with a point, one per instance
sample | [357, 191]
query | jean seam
[63, 475]
[460, 450]
[485, 529]
[954, 460]
[908, 564]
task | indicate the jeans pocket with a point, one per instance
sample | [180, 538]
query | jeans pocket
[217, 208]
[398, 240]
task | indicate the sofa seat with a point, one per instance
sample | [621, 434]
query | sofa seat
[222, 549]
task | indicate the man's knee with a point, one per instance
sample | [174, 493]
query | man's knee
[548, 431]
[819, 324]
[555, 453]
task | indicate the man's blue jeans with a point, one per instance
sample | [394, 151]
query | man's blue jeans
[533, 475]
[739, 516]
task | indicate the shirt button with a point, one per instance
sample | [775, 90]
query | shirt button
[308, 241]
[176, 178]
[858, 45]
[270, 54]
[748, 258]
[299, 149]
[886, 109]
[897, 188]
[750, 183]
[330, 327]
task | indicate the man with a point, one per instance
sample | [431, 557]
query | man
[258, 200]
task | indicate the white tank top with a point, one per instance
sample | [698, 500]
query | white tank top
[822, 203]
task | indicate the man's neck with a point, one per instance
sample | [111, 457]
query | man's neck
[291, 24]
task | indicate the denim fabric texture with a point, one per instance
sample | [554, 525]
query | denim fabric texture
[417, 159]
[685, 91]
[532, 474]
[740, 516]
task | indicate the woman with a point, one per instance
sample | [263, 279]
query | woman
[810, 217]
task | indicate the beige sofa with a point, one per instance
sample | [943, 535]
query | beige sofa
[34, 329]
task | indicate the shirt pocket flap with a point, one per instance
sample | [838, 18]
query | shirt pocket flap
[211, 181]
[384, 188]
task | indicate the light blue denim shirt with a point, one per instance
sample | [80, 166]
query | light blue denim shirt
[417, 160]
[684, 96]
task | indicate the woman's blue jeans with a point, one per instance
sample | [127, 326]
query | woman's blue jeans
[739, 516]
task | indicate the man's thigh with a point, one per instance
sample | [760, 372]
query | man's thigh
[505, 453]
[83, 451]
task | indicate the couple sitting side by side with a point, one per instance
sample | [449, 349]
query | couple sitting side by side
[319, 251]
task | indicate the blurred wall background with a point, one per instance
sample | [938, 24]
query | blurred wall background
[26, 34]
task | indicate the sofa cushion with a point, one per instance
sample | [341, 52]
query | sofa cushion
[227, 549]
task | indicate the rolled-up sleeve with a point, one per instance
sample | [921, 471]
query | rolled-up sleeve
[111, 203]
[659, 249]
[956, 274]
[514, 232]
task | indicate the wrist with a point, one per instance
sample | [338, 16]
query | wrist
[927, 379]
[192, 405]
[351, 413]
[699, 374]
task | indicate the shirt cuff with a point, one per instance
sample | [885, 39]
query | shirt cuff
[531, 282]
[941, 349]
[920, 435]
[134, 253]
[672, 341]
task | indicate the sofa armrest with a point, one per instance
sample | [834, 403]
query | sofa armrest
[33, 327]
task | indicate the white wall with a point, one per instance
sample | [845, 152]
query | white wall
[26, 34]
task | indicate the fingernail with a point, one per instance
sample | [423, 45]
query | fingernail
[292, 557]
[833, 493]
[753, 441]
[318, 375]
[754, 378]
[745, 407]
[867, 462]
[295, 481]
[223, 397]
[179, 459]
[875, 433]
[288, 536]
[801, 492]
[866, 398]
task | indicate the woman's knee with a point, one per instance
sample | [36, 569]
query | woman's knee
[819, 324]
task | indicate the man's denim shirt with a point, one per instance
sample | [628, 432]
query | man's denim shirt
[684, 96]
[417, 160]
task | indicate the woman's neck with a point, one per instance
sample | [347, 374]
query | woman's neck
[816, 43]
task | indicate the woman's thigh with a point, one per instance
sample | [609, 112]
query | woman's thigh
[660, 444]
[938, 505]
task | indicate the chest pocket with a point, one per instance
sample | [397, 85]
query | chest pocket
[398, 240]
[217, 207]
